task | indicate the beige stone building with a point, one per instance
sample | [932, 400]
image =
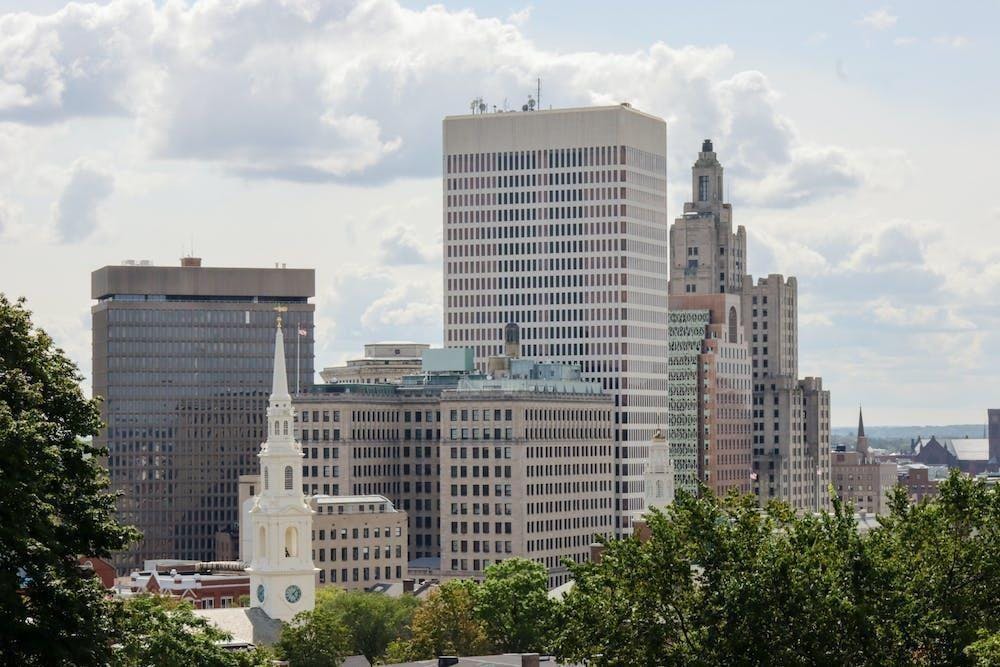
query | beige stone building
[861, 480]
[485, 467]
[357, 541]
[706, 255]
[556, 220]
[382, 363]
[788, 422]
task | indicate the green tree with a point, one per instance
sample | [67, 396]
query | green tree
[985, 652]
[161, 631]
[372, 620]
[445, 623]
[316, 638]
[514, 606]
[937, 565]
[56, 505]
[722, 582]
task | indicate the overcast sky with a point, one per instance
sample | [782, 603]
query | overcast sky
[859, 140]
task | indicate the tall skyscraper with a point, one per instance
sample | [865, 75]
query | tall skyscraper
[556, 221]
[182, 359]
[778, 446]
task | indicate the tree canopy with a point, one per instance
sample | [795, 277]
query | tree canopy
[513, 604]
[722, 582]
[162, 631]
[446, 623]
[56, 504]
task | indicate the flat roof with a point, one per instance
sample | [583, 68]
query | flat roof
[361, 500]
[202, 281]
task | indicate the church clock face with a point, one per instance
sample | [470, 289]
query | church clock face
[293, 593]
[260, 592]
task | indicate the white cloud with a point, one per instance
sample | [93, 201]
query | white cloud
[401, 245]
[521, 16]
[312, 91]
[880, 19]
[904, 41]
[952, 41]
[919, 317]
[75, 214]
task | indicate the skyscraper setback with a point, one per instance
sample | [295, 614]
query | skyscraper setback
[760, 427]
[182, 359]
[556, 221]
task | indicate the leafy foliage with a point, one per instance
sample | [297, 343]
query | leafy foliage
[446, 624]
[513, 604]
[316, 638]
[722, 582]
[372, 621]
[161, 631]
[56, 505]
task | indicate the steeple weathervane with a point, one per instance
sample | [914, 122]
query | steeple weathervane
[280, 310]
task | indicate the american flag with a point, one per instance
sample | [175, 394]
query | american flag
[753, 475]
[302, 332]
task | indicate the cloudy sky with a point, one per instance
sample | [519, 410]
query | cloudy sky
[859, 140]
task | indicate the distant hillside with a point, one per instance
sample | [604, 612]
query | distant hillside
[893, 432]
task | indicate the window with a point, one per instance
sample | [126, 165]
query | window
[288, 478]
[703, 188]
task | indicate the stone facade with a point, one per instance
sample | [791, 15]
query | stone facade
[788, 422]
[383, 363]
[357, 541]
[485, 467]
[706, 255]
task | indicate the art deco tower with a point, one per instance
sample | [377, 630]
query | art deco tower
[282, 576]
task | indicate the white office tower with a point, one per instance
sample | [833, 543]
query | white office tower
[282, 576]
[556, 221]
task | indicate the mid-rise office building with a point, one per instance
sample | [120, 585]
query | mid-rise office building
[556, 221]
[518, 463]
[859, 478]
[182, 359]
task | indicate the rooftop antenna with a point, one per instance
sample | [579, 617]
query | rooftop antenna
[538, 92]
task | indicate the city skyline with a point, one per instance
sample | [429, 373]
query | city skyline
[897, 284]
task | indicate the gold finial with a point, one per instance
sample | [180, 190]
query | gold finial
[280, 310]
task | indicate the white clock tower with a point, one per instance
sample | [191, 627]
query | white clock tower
[282, 576]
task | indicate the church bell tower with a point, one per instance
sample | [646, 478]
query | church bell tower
[282, 575]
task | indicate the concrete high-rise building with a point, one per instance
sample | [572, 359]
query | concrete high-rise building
[182, 359]
[713, 381]
[771, 319]
[556, 221]
[788, 421]
[706, 255]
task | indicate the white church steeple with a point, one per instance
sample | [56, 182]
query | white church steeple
[282, 575]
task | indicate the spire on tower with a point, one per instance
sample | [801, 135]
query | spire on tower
[279, 382]
[861, 423]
